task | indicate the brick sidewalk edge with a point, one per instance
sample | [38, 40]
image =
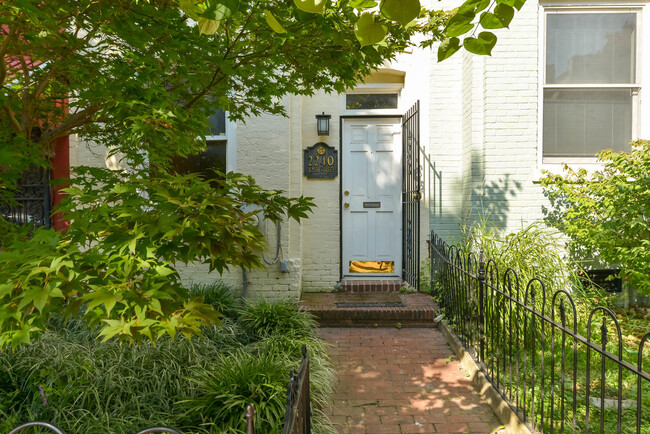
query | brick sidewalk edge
[504, 412]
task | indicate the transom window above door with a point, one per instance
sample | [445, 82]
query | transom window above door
[591, 82]
[372, 99]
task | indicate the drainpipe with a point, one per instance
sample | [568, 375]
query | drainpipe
[244, 282]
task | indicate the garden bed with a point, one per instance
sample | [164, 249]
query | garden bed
[198, 385]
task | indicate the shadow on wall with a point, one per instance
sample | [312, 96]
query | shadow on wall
[479, 199]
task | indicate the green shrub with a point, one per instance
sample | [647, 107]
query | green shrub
[263, 318]
[237, 380]
[219, 295]
[107, 387]
[535, 251]
[605, 212]
[288, 346]
[111, 387]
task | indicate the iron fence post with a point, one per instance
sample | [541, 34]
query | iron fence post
[250, 419]
[481, 306]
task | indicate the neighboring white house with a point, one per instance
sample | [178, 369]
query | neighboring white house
[567, 80]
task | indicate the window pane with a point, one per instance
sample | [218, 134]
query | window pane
[217, 123]
[581, 123]
[369, 101]
[213, 158]
[591, 48]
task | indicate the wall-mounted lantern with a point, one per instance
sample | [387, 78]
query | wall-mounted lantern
[323, 124]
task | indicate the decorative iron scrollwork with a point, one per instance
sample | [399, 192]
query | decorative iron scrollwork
[33, 200]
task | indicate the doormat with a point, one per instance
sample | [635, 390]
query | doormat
[370, 304]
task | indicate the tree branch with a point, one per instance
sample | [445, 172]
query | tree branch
[25, 115]
[214, 81]
[73, 121]
[15, 125]
[4, 45]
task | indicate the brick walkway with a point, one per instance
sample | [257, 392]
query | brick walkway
[402, 381]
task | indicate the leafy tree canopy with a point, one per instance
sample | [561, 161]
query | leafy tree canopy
[605, 212]
[145, 75]
[142, 77]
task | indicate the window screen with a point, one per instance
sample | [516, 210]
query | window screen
[591, 64]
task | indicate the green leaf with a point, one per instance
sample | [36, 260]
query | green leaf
[163, 271]
[273, 22]
[490, 21]
[40, 300]
[402, 11]
[474, 6]
[482, 4]
[22, 336]
[154, 305]
[208, 27]
[313, 6]
[504, 13]
[112, 328]
[482, 45]
[190, 9]
[460, 24]
[5, 289]
[363, 4]
[516, 3]
[369, 32]
[447, 48]
[221, 9]
[108, 299]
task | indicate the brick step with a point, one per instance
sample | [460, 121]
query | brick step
[343, 309]
[383, 285]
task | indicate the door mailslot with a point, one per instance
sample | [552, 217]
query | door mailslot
[372, 204]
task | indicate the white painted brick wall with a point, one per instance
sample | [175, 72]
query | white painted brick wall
[479, 128]
[320, 234]
[487, 108]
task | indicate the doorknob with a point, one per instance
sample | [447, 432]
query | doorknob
[346, 204]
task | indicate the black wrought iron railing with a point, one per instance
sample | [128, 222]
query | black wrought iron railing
[57, 430]
[528, 345]
[297, 419]
[411, 196]
[297, 415]
[31, 204]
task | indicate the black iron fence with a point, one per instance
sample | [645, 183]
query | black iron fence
[297, 419]
[57, 430]
[411, 196]
[531, 346]
[32, 200]
[297, 415]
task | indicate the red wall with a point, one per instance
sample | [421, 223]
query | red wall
[60, 169]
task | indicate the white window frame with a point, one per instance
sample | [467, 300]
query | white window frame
[555, 164]
[373, 88]
[230, 137]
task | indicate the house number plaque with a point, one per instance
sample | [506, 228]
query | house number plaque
[321, 161]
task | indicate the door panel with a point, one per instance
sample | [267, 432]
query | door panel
[383, 245]
[359, 223]
[371, 209]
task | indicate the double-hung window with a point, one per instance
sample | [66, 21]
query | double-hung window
[591, 82]
[219, 152]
